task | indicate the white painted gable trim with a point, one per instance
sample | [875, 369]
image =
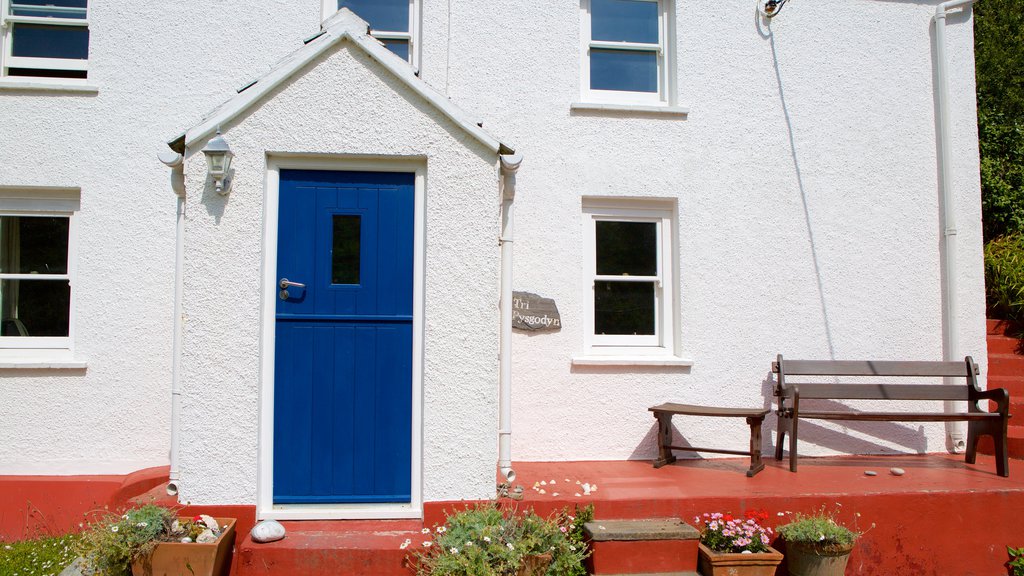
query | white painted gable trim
[344, 25]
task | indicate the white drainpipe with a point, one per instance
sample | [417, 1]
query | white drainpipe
[177, 165]
[954, 430]
[509, 165]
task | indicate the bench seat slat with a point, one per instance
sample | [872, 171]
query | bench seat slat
[901, 416]
[863, 391]
[691, 410]
[874, 368]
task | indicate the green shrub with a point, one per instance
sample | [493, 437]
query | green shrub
[37, 557]
[819, 530]
[1016, 563]
[1004, 277]
[487, 541]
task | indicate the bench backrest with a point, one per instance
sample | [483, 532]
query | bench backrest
[967, 370]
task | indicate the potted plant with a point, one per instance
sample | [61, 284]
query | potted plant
[817, 545]
[731, 546]
[152, 541]
[488, 540]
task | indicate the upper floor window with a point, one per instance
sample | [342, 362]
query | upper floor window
[44, 38]
[625, 51]
[393, 22]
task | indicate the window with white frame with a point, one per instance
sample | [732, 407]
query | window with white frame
[44, 38]
[626, 51]
[37, 231]
[630, 278]
[393, 22]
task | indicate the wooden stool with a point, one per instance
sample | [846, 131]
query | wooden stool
[665, 412]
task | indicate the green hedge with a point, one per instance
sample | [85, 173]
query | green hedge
[1004, 278]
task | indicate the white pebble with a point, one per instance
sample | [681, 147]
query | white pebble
[897, 471]
[870, 473]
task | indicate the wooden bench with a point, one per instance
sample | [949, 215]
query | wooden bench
[664, 413]
[980, 422]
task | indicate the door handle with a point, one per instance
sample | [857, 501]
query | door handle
[285, 284]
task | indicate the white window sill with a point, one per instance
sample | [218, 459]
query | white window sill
[43, 365]
[631, 361]
[47, 85]
[641, 108]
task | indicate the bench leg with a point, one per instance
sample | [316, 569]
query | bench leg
[794, 422]
[997, 430]
[971, 453]
[756, 465]
[664, 440]
[780, 436]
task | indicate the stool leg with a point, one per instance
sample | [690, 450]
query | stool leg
[756, 465]
[664, 440]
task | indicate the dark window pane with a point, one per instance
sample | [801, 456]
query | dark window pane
[34, 307]
[624, 21]
[627, 248]
[345, 250]
[49, 8]
[33, 245]
[390, 15]
[624, 308]
[400, 47]
[40, 73]
[41, 41]
[627, 70]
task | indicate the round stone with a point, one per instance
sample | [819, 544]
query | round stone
[267, 531]
[897, 471]
[870, 473]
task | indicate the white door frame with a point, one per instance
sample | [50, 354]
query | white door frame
[265, 507]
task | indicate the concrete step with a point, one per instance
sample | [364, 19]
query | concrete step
[1014, 442]
[1013, 384]
[1006, 365]
[322, 548]
[1004, 345]
[636, 547]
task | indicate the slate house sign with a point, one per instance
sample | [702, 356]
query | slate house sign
[532, 313]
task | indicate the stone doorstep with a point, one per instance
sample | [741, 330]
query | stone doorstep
[634, 530]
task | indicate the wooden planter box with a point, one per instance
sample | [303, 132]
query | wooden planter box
[711, 563]
[176, 558]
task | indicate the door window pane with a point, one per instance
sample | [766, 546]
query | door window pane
[345, 249]
[33, 245]
[630, 71]
[624, 21]
[35, 307]
[624, 308]
[43, 41]
[389, 15]
[627, 248]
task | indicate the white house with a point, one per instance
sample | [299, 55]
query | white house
[696, 186]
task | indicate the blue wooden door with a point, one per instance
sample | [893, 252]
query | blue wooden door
[343, 366]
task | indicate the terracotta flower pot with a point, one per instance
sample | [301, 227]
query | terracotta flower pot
[711, 563]
[176, 558]
[535, 565]
[804, 559]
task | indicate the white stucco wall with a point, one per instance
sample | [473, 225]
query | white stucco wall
[805, 175]
[342, 103]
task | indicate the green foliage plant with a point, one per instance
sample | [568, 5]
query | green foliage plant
[488, 541]
[43, 556]
[1016, 563]
[110, 544]
[819, 531]
[1004, 277]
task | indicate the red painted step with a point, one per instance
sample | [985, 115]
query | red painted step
[1006, 365]
[1014, 385]
[642, 547]
[322, 548]
[998, 327]
[1004, 345]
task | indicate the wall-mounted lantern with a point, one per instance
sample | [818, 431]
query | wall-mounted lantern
[218, 162]
[770, 8]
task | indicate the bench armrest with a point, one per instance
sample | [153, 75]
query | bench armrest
[998, 395]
